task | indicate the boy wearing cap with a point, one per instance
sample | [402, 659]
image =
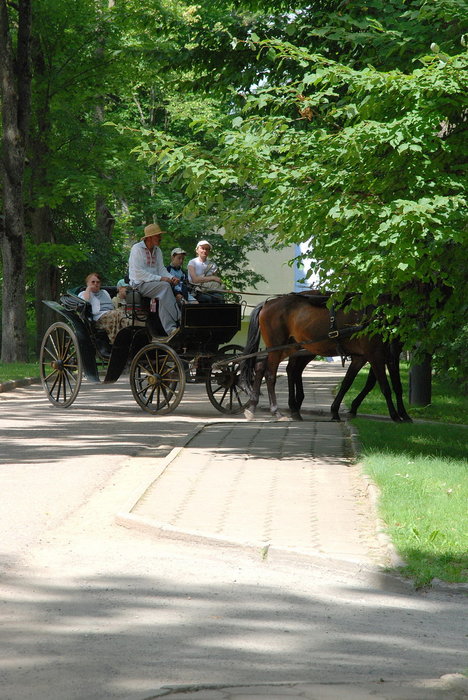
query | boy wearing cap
[120, 300]
[149, 276]
[180, 289]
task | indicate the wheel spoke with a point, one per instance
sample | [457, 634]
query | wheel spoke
[60, 365]
[222, 386]
[157, 378]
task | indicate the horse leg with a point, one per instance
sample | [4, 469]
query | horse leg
[357, 361]
[249, 412]
[274, 359]
[370, 384]
[378, 365]
[294, 370]
[393, 364]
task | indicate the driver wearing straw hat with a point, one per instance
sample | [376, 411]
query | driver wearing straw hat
[149, 276]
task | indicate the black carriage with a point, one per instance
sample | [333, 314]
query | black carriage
[159, 369]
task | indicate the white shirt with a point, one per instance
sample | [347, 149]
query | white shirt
[145, 265]
[201, 268]
[101, 303]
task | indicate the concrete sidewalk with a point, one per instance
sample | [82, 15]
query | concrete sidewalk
[287, 486]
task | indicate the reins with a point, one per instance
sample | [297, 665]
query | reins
[342, 333]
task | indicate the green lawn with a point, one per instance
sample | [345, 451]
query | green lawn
[18, 370]
[421, 470]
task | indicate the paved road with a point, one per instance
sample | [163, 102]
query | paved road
[93, 610]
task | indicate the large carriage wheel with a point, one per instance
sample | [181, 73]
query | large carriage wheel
[222, 386]
[60, 365]
[157, 378]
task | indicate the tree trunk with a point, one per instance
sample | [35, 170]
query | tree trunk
[105, 220]
[15, 91]
[42, 230]
[420, 382]
[47, 275]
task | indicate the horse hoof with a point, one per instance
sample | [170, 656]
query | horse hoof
[284, 418]
[335, 419]
[296, 416]
[249, 415]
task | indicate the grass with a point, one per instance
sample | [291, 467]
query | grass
[449, 404]
[18, 370]
[421, 470]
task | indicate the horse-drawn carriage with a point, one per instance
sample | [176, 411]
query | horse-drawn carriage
[158, 369]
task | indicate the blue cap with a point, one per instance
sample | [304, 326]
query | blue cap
[121, 283]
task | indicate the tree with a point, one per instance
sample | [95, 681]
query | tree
[15, 76]
[366, 164]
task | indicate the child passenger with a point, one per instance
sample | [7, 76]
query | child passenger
[120, 300]
[181, 291]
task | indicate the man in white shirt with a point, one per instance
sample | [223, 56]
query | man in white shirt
[149, 276]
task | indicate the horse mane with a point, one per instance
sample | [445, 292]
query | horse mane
[314, 297]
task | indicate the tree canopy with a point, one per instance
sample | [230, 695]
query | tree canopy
[366, 163]
[340, 126]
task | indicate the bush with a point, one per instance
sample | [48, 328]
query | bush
[452, 361]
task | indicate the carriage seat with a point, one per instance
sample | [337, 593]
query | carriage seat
[82, 308]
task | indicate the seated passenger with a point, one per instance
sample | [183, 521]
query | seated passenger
[120, 300]
[203, 274]
[180, 290]
[149, 277]
[105, 315]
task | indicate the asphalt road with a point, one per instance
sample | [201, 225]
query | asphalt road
[91, 610]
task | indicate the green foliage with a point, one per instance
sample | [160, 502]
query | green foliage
[451, 360]
[320, 119]
[367, 166]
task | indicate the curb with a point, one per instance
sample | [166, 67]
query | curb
[451, 685]
[17, 383]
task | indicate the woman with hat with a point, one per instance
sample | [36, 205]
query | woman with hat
[204, 275]
[149, 276]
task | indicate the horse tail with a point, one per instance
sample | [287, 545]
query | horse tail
[247, 367]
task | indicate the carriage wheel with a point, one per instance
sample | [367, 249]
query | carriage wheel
[60, 365]
[157, 378]
[222, 386]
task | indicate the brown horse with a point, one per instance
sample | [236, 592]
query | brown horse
[295, 321]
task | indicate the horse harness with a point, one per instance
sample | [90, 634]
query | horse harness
[334, 333]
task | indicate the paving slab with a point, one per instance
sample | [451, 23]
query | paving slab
[266, 484]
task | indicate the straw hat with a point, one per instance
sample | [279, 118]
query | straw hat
[152, 230]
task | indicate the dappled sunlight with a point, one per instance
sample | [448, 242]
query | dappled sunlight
[152, 630]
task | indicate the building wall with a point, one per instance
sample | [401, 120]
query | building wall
[281, 277]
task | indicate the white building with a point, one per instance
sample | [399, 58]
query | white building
[281, 277]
